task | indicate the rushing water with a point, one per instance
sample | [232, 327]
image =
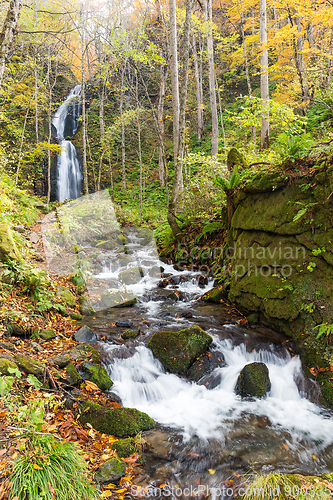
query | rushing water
[65, 123]
[205, 426]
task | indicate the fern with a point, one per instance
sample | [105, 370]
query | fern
[228, 184]
[209, 228]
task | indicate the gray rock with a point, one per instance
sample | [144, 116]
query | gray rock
[86, 307]
[85, 352]
[126, 323]
[19, 229]
[61, 360]
[110, 471]
[7, 345]
[47, 334]
[37, 347]
[30, 365]
[86, 334]
[13, 329]
[33, 237]
[253, 381]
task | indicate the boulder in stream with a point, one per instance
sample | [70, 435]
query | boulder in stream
[97, 374]
[177, 351]
[85, 334]
[131, 276]
[118, 422]
[86, 306]
[85, 352]
[117, 298]
[253, 381]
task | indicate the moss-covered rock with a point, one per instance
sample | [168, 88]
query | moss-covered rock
[235, 159]
[8, 248]
[30, 365]
[216, 295]
[325, 381]
[75, 316]
[46, 334]
[131, 276]
[253, 381]
[118, 422]
[111, 471]
[61, 360]
[86, 307]
[85, 352]
[125, 447]
[66, 296]
[72, 375]
[178, 350]
[115, 298]
[5, 364]
[97, 374]
[130, 334]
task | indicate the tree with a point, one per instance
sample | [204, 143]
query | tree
[8, 32]
[264, 89]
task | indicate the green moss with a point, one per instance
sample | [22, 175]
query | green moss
[97, 374]
[235, 159]
[30, 365]
[325, 381]
[125, 447]
[46, 334]
[178, 350]
[73, 376]
[130, 334]
[131, 276]
[111, 298]
[253, 381]
[8, 248]
[112, 470]
[118, 422]
[85, 352]
[5, 364]
[86, 307]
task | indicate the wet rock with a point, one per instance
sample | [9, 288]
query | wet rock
[186, 314]
[107, 244]
[118, 422]
[61, 360]
[75, 316]
[176, 280]
[30, 365]
[216, 295]
[36, 347]
[7, 345]
[85, 352]
[205, 365]
[253, 318]
[116, 298]
[125, 260]
[178, 350]
[127, 323]
[112, 470]
[253, 381]
[263, 422]
[14, 330]
[97, 374]
[66, 296]
[130, 334]
[325, 381]
[125, 447]
[202, 281]
[46, 334]
[131, 276]
[163, 283]
[86, 307]
[5, 364]
[86, 334]
[72, 375]
[155, 271]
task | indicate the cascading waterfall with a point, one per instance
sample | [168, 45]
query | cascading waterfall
[65, 123]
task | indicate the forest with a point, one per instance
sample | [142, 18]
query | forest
[166, 256]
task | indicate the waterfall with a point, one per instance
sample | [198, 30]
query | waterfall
[65, 123]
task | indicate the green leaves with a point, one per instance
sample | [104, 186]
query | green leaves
[324, 329]
[228, 184]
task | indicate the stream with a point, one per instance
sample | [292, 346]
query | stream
[206, 434]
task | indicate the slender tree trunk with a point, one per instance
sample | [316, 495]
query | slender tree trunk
[264, 89]
[123, 150]
[8, 33]
[84, 127]
[101, 110]
[221, 116]
[21, 143]
[330, 61]
[247, 68]
[160, 117]
[211, 74]
[100, 170]
[300, 62]
[197, 89]
[36, 96]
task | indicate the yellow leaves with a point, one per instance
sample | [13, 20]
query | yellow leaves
[37, 467]
[106, 494]
[211, 471]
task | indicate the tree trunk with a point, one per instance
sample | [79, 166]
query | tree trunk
[197, 89]
[101, 110]
[21, 143]
[160, 118]
[211, 74]
[8, 32]
[264, 89]
[221, 117]
[84, 128]
[123, 150]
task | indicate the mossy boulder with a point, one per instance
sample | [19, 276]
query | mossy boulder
[79, 281]
[5, 364]
[107, 244]
[111, 471]
[14, 330]
[155, 271]
[177, 351]
[61, 360]
[72, 375]
[235, 159]
[86, 307]
[85, 352]
[75, 316]
[325, 381]
[115, 298]
[130, 334]
[253, 381]
[216, 295]
[97, 374]
[125, 447]
[85, 334]
[131, 276]
[46, 334]
[8, 248]
[30, 365]
[118, 422]
[66, 296]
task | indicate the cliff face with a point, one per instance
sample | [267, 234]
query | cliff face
[281, 254]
